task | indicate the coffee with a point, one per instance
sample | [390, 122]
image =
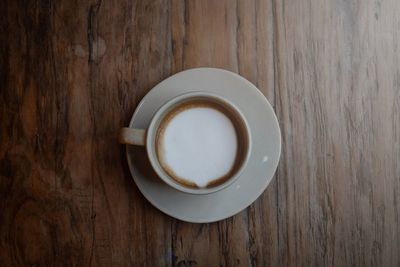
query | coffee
[200, 143]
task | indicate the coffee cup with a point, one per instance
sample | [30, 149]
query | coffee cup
[197, 142]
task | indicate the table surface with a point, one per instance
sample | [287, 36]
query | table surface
[72, 73]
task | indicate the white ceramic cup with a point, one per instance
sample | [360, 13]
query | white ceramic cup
[147, 137]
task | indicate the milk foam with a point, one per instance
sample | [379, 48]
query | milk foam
[200, 145]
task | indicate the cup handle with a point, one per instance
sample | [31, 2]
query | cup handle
[132, 136]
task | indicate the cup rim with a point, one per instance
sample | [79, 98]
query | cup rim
[153, 156]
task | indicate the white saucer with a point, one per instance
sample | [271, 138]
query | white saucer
[265, 153]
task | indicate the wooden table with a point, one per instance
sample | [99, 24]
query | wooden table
[72, 73]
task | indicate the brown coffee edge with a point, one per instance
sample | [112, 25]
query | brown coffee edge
[239, 129]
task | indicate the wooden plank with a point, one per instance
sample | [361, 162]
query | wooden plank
[338, 104]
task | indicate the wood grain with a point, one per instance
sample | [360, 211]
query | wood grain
[72, 73]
